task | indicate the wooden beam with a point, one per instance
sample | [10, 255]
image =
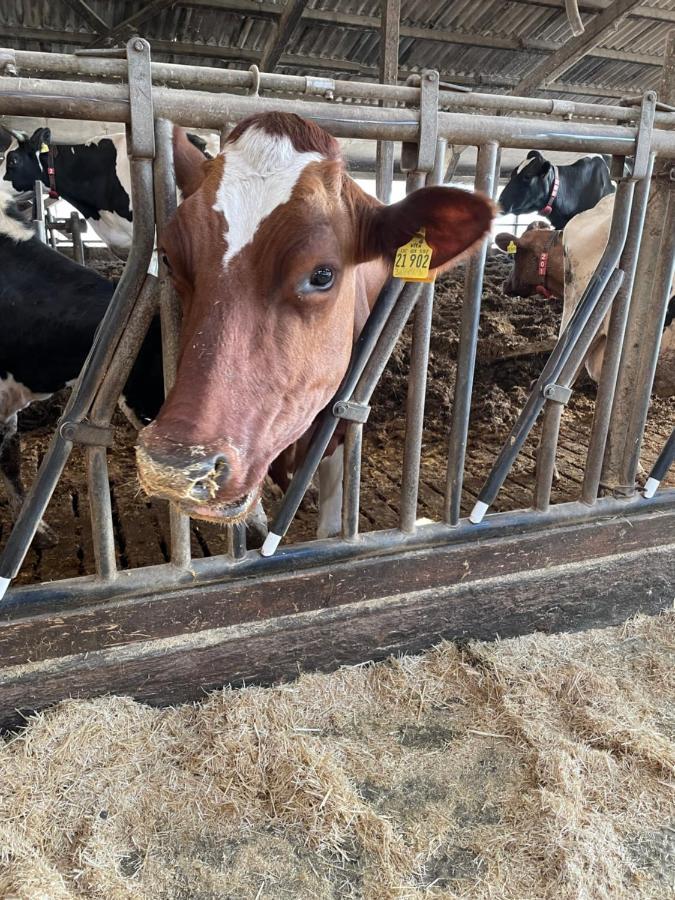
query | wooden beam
[576, 48]
[281, 34]
[131, 24]
[390, 21]
[93, 20]
[548, 595]
[477, 80]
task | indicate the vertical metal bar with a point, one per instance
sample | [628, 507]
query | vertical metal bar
[614, 343]
[109, 331]
[76, 235]
[170, 312]
[553, 409]
[236, 540]
[39, 211]
[417, 382]
[594, 295]
[50, 230]
[486, 175]
[390, 14]
[100, 510]
[546, 452]
[101, 413]
[641, 344]
[351, 481]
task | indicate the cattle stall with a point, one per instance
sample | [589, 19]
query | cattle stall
[166, 632]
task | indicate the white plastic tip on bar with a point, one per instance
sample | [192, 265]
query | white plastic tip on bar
[478, 512]
[272, 541]
[4, 584]
[650, 487]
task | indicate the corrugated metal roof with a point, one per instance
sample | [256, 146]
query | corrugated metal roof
[491, 44]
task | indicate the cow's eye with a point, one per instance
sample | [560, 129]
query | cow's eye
[322, 278]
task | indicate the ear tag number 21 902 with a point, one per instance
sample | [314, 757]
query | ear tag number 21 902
[413, 260]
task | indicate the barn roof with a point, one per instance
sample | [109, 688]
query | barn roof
[509, 46]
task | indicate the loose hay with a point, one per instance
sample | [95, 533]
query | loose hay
[531, 768]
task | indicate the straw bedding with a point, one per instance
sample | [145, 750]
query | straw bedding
[530, 768]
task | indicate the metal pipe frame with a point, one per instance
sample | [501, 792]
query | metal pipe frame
[109, 102]
[419, 364]
[36, 64]
[76, 236]
[646, 315]
[170, 312]
[553, 409]
[113, 349]
[86, 590]
[100, 415]
[485, 181]
[614, 343]
[556, 364]
[100, 356]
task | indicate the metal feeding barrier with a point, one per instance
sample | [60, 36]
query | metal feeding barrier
[148, 97]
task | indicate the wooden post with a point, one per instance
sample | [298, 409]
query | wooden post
[389, 34]
[651, 292]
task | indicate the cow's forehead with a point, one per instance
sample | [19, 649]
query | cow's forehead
[259, 174]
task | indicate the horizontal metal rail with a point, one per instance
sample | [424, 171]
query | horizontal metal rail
[110, 103]
[83, 591]
[28, 62]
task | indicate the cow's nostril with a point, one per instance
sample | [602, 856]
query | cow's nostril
[206, 487]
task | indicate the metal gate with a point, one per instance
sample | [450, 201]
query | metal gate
[162, 632]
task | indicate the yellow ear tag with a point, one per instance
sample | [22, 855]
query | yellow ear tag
[44, 148]
[511, 248]
[413, 260]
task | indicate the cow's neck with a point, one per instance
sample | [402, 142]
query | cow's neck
[84, 182]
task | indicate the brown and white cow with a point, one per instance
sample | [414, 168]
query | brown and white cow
[573, 257]
[278, 257]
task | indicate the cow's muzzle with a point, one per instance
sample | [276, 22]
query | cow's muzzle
[196, 479]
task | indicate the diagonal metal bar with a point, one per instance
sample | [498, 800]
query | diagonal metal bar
[573, 333]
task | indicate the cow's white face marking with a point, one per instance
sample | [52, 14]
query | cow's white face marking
[15, 396]
[9, 227]
[523, 165]
[260, 172]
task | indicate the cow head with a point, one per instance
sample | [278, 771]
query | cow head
[529, 187]
[267, 253]
[23, 163]
[525, 278]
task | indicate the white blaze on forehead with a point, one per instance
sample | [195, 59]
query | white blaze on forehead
[260, 172]
[9, 227]
[523, 164]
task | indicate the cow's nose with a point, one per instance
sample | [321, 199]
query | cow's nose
[212, 473]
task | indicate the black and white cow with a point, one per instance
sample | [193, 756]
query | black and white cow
[556, 192]
[50, 308]
[93, 177]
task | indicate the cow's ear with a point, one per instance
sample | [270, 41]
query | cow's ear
[189, 162]
[40, 138]
[453, 221]
[507, 243]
